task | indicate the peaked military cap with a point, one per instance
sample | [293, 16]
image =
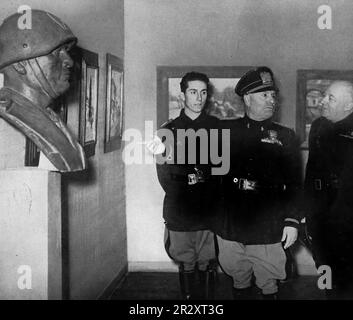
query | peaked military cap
[256, 80]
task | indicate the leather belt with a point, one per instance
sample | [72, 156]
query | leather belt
[321, 184]
[253, 185]
[191, 178]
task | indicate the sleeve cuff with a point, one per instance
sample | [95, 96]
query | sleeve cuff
[290, 222]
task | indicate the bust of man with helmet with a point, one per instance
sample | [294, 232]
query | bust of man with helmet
[36, 68]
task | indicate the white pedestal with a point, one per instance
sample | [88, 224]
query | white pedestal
[30, 234]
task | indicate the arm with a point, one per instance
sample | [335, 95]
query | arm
[293, 215]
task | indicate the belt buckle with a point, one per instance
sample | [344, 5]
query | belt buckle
[245, 184]
[317, 184]
[199, 175]
[192, 179]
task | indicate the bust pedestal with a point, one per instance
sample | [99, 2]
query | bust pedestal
[30, 234]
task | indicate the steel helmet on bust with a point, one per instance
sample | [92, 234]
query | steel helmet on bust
[48, 32]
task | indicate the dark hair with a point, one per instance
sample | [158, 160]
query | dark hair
[192, 76]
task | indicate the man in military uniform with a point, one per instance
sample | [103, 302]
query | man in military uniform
[256, 215]
[329, 189]
[187, 238]
[36, 68]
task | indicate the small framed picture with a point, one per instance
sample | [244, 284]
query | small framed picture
[83, 93]
[114, 103]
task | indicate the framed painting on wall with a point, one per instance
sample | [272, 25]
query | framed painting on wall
[114, 103]
[311, 87]
[223, 102]
[88, 98]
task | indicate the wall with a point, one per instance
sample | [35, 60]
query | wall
[94, 223]
[281, 34]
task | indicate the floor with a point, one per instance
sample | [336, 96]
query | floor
[165, 286]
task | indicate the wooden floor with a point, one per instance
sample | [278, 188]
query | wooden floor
[165, 286]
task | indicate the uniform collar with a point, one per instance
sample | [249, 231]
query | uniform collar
[250, 123]
[345, 125]
[185, 118]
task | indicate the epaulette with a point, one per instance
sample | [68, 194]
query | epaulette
[166, 123]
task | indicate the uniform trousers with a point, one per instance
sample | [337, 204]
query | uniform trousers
[267, 262]
[190, 247]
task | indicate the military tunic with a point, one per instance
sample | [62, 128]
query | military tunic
[259, 192]
[328, 195]
[183, 207]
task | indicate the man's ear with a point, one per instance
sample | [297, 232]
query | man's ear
[182, 96]
[246, 98]
[349, 107]
[20, 67]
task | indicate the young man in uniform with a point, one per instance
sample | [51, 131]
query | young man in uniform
[256, 215]
[187, 238]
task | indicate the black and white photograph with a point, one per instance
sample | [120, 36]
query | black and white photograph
[166, 154]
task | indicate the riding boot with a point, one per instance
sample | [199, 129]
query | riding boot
[187, 284]
[243, 294]
[273, 296]
[207, 281]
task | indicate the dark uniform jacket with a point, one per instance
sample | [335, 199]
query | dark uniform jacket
[328, 186]
[183, 208]
[266, 155]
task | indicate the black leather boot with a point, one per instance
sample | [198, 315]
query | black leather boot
[273, 296]
[187, 284]
[207, 281]
[243, 294]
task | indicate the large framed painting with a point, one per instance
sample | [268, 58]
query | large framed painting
[311, 87]
[222, 103]
[114, 103]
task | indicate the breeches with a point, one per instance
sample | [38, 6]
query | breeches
[266, 262]
[190, 247]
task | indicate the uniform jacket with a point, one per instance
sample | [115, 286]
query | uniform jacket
[267, 153]
[328, 189]
[183, 207]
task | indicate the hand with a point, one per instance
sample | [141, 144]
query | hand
[290, 235]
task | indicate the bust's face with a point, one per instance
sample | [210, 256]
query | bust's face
[56, 68]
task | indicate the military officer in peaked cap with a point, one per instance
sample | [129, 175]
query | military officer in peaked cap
[257, 221]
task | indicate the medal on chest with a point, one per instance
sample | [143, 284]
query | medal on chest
[348, 135]
[272, 137]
